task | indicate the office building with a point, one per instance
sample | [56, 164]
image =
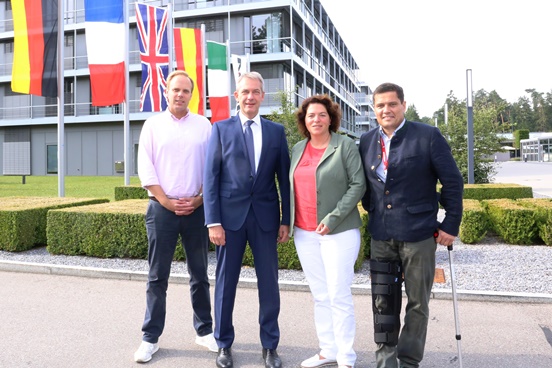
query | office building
[292, 43]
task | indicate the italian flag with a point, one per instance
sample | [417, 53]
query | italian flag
[189, 57]
[218, 81]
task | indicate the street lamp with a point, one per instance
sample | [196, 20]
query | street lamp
[469, 105]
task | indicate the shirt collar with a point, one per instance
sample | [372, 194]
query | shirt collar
[175, 118]
[244, 119]
[382, 133]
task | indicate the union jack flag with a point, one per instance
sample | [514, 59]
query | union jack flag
[154, 55]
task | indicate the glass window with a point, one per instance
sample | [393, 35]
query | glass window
[266, 31]
[8, 48]
[51, 159]
[214, 28]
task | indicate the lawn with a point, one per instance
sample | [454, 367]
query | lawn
[75, 186]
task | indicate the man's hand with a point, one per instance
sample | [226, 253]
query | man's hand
[187, 205]
[217, 235]
[283, 234]
[444, 238]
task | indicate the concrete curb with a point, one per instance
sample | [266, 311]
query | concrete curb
[179, 278]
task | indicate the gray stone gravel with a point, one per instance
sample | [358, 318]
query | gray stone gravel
[488, 266]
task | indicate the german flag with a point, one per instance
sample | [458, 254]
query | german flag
[35, 26]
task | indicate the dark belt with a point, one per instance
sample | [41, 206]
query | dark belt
[154, 199]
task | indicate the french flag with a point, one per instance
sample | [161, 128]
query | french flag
[105, 44]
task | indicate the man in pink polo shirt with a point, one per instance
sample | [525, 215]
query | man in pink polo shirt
[171, 157]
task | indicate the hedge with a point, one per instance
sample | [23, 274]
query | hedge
[543, 209]
[475, 222]
[130, 192]
[23, 219]
[513, 222]
[115, 229]
[495, 191]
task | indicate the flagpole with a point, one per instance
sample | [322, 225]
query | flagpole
[229, 76]
[126, 124]
[204, 53]
[170, 37]
[61, 100]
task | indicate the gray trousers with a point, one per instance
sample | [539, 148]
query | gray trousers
[418, 260]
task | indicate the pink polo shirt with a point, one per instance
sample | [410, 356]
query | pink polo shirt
[172, 152]
[304, 183]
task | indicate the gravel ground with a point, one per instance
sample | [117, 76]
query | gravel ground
[488, 266]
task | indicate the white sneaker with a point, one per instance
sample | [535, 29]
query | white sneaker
[145, 352]
[316, 361]
[207, 341]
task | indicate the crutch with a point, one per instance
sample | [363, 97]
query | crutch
[455, 304]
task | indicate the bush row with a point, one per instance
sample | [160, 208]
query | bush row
[521, 221]
[117, 229]
[23, 219]
[471, 191]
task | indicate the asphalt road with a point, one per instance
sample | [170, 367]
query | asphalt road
[537, 175]
[54, 321]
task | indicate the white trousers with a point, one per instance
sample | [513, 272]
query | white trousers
[328, 263]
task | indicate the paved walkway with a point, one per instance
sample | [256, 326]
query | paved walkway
[65, 321]
[537, 175]
[58, 320]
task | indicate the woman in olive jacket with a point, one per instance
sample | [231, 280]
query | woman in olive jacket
[327, 183]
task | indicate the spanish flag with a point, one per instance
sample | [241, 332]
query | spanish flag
[35, 26]
[188, 46]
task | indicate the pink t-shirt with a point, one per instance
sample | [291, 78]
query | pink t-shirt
[304, 183]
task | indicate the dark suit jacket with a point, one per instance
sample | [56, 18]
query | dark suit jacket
[229, 190]
[405, 207]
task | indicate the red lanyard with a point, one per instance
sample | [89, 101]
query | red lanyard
[383, 154]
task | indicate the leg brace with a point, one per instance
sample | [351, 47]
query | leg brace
[386, 300]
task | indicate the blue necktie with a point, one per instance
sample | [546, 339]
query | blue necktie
[250, 145]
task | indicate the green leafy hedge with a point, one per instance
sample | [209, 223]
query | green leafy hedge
[543, 209]
[23, 219]
[475, 222]
[513, 222]
[130, 192]
[495, 191]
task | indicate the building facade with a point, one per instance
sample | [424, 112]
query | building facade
[292, 43]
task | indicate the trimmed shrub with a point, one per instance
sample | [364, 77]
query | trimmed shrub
[543, 208]
[23, 219]
[115, 229]
[475, 222]
[365, 236]
[513, 222]
[496, 191]
[130, 192]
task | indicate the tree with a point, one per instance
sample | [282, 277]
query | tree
[486, 141]
[285, 115]
[412, 114]
[539, 110]
[521, 114]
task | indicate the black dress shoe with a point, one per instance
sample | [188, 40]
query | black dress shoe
[271, 358]
[224, 358]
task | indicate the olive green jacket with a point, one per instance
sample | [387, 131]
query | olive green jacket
[340, 184]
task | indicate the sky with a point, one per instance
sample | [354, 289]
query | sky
[426, 46]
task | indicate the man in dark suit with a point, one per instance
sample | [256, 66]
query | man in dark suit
[403, 160]
[245, 154]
